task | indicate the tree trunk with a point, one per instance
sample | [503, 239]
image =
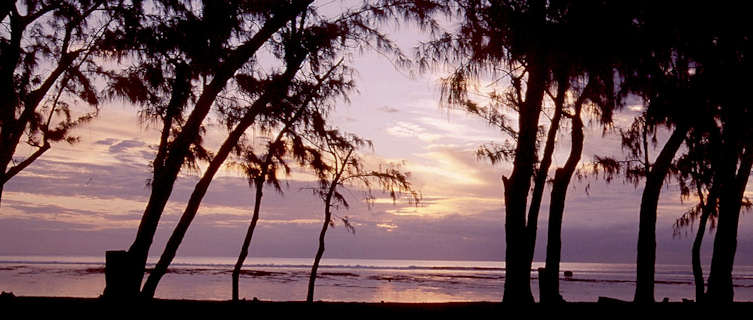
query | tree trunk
[259, 184]
[708, 208]
[13, 171]
[543, 171]
[9, 124]
[725, 243]
[162, 187]
[646, 258]
[562, 177]
[196, 197]
[247, 240]
[133, 268]
[343, 164]
[517, 271]
[7, 149]
[9, 59]
[696, 257]
[319, 252]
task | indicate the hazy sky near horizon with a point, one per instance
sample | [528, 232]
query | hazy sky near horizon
[87, 198]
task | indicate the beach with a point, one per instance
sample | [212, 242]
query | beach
[160, 308]
[346, 280]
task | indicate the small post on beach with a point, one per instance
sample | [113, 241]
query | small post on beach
[117, 268]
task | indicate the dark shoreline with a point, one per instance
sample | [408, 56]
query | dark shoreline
[97, 308]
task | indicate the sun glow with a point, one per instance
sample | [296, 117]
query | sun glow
[440, 207]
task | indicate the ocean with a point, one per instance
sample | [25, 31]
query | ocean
[363, 280]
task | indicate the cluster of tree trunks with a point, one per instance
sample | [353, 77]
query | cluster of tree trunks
[166, 171]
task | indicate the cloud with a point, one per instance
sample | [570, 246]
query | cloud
[125, 145]
[466, 206]
[433, 129]
[452, 165]
[412, 130]
[388, 109]
[107, 142]
[68, 218]
[387, 226]
[460, 223]
[467, 130]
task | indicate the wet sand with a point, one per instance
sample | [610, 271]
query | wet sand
[78, 308]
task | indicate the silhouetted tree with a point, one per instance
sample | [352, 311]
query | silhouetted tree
[666, 74]
[549, 279]
[506, 36]
[47, 66]
[695, 67]
[638, 166]
[590, 63]
[695, 169]
[720, 286]
[495, 153]
[273, 90]
[185, 56]
[263, 169]
[346, 168]
[727, 65]
[592, 86]
[668, 106]
[655, 176]
[536, 45]
[306, 37]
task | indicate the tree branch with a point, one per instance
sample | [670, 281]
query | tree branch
[17, 168]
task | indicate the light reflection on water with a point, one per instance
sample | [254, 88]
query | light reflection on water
[286, 279]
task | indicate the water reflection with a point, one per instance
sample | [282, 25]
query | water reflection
[409, 282]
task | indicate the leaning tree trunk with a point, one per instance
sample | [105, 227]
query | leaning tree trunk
[176, 238]
[550, 292]
[319, 251]
[9, 99]
[646, 258]
[14, 170]
[273, 93]
[7, 150]
[128, 268]
[162, 187]
[197, 196]
[707, 208]
[10, 135]
[259, 184]
[517, 270]
[542, 173]
[696, 256]
[721, 289]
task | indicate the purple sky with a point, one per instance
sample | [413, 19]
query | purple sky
[88, 198]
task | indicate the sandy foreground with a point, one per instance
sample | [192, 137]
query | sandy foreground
[23, 307]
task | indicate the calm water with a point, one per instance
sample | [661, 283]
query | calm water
[346, 279]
